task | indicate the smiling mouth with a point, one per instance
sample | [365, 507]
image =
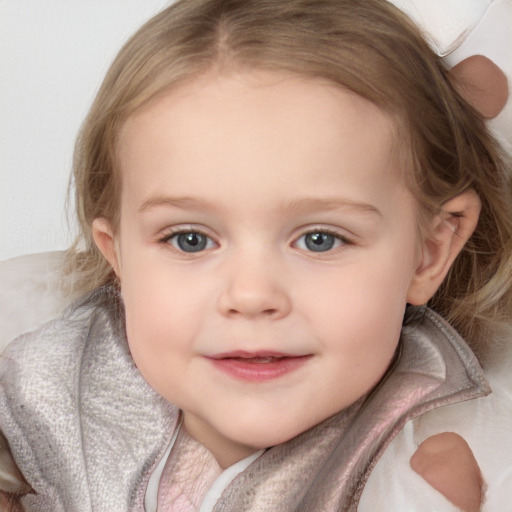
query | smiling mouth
[257, 367]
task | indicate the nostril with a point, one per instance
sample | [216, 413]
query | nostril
[266, 312]
[250, 298]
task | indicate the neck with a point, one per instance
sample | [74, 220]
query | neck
[226, 451]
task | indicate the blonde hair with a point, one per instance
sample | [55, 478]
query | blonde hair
[368, 47]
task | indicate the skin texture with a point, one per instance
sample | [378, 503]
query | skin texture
[447, 463]
[255, 161]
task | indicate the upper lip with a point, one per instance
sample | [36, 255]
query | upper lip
[243, 354]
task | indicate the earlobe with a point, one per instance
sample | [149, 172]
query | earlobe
[103, 235]
[449, 231]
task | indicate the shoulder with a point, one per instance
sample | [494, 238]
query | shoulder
[45, 366]
[56, 346]
[36, 370]
[481, 432]
[70, 392]
[41, 370]
[33, 368]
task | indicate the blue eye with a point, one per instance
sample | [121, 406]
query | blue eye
[190, 241]
[319, 241]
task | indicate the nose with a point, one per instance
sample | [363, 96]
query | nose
[254, 289]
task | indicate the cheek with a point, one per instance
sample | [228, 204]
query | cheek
[166, 308]
[159, 318]
[158, 313]
[360, 297]
[357, 316]
[159, 342]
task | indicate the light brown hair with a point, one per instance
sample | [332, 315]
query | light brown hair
[366, 46]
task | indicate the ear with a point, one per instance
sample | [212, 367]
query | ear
[103, 235]
[449, 231]
[482, 84]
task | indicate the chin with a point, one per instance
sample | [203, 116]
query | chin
[265, 436]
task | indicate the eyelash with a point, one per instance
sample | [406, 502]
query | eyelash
[343, 241]
[175, 233]
[340, 240]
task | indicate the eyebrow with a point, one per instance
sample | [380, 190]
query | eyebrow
[171, 202]
[311, 204]
[302, 205]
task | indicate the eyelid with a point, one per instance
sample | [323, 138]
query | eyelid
[183, 228]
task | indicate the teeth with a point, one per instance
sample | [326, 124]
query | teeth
[259, 360]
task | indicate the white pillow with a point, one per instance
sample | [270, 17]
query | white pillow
[30, 293]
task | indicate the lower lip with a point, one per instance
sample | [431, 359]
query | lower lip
[259, 372]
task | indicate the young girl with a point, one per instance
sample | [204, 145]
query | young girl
[269, 193]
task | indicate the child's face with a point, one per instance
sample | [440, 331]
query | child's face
[266, 250]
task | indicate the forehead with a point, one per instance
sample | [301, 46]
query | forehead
[255, 128]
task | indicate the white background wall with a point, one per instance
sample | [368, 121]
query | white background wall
[53, 55]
